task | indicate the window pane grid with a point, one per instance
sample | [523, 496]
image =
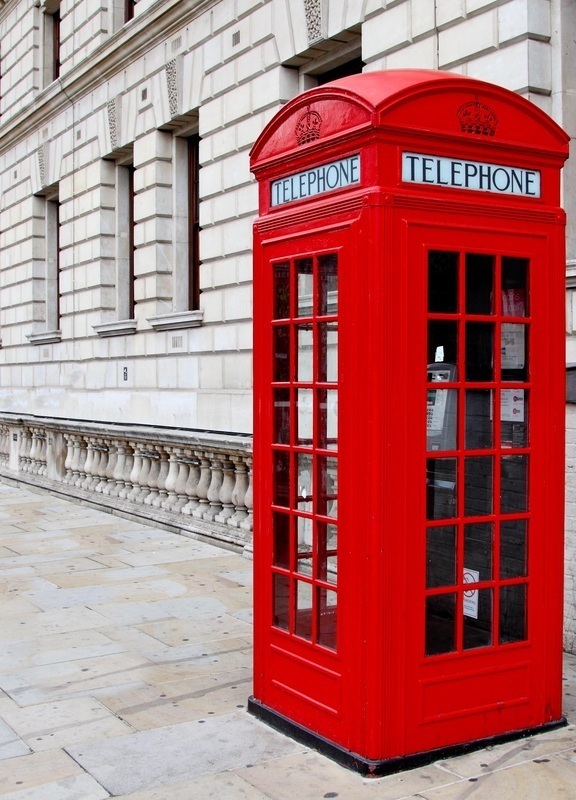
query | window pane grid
[305, 397]
[477, 477]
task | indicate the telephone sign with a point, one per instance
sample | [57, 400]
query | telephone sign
[408, 418]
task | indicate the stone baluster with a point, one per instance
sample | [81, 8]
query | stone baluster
[239, 493]
[181, 483]
[213, 493]
[110, 468]
[191, 484]
[153, 475]
[69, 456]
[171, 478]
[203, 485]
[25, 444]
[82, 457]
[142, 486]
[134, 479]
[31, 460]
[43, 454]
[127, 485]
[90, 454]
[118, 474]
[248, 522]
[226, 490]
[162, 494]
[102, 466]
[75, 466]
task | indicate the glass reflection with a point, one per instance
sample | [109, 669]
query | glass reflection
[304, 402]
[478, 419]
[514, 287]
[303, 610]
[479, 283]
[304, 362]
[513, 626]
[304, 270]
[477, 618]
[328, 476]
[479, 351]
[513, 548]
[441, 488]
[281, 525]
[478, 493]
[282, 416]
[440, 624]
[328, 280]
[281, 354]
[281, 589]
[513, 484]
[304, 481]
[328, 419]
[441, 556]
[478, 539]
[442, 282]
[327, 622]
[282, 291]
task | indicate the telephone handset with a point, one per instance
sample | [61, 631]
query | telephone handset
[441, 408]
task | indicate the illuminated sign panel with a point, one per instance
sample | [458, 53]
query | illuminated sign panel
[458, 173]
[325, 178]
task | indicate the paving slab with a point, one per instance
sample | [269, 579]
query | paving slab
[181, 752]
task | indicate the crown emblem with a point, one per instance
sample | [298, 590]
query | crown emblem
[475, 117]
[308, 127]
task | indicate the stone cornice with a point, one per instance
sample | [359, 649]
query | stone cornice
[134, 39]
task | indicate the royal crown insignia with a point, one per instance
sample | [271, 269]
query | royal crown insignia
[475, 117]
[308, 127]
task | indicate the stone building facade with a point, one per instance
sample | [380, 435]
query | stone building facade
[126, 221]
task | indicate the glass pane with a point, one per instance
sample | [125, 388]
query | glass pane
[513, 484]
[441, 488]
[441, 556]
[304, 482]
[513, 626]
[282, 416]
[442, 282]
[327, 552]
[281, 523]
[479, 284]
[514, 417]
[479, 355]
[478, 550]
[304, 400]
[328, 280]
[477, 618]
[327, 622]
[281, 588]
[281, 353]
[305, 286]
[281, 478]
[478, 419]
[441, 416]
[304, 364]
[513, 548]
[304, 610]
[477, 486]
[328, 419]
[304, 528]
[282, 291]
[442, 342]
[514, 351]
[328, 352]
[440, 627]
[328, 477]
[514, 287]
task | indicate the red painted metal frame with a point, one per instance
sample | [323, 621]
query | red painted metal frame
[378, 695]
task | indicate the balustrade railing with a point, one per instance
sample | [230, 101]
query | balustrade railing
[199, 483]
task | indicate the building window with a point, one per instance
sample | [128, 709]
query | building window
[47, 326]
[129, 9]
[193, 165]
[122, 316]
[185, 236]
[51, 40]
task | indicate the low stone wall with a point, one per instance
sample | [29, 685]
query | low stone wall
[196, 482]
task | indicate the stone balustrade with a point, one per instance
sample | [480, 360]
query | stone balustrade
[199, 483]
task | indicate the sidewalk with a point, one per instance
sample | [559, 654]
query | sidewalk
[125, 666]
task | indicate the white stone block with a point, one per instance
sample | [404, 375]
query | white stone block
[420, 55]
[468, 40]
[449, 11]
[520, 17]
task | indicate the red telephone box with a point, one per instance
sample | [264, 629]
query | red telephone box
[409, 411]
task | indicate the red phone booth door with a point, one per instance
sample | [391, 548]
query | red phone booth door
[479, 653]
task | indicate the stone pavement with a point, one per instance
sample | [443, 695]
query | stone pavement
[125, 665]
